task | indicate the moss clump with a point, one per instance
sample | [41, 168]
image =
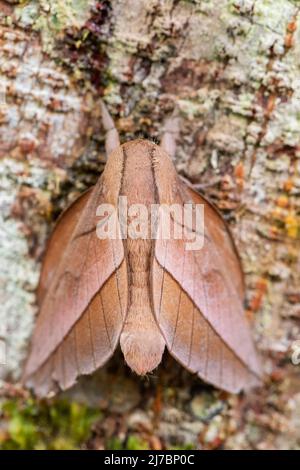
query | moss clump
[114, 444]
[133, 442]
[136, 443]
[31, 424]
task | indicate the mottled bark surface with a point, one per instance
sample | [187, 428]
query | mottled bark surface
[232, 68]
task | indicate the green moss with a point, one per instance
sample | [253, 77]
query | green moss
[114, 444]
[58, 425]
[136, 443]
[133, 443]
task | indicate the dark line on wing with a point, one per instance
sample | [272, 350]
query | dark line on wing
[83, 234]
[91, 337]
[179, 304]
[162, 282]
[101, 300]
[123, 314]
[73, 348]
[104, 319]
[156, 200]
[207, 349]
[76, 351]
[88, 315]
[72, 334]
[193, 321]
[221, 362]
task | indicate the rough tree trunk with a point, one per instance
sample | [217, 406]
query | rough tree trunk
[232, 67]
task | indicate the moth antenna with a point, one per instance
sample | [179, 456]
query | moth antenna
[112, 140]
[171, 135]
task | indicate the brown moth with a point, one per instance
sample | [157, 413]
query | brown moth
[146, 294]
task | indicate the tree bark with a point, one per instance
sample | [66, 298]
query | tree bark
[231, 68]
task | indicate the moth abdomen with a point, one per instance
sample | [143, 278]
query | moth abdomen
[141, 340]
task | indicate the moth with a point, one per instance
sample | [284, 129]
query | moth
[147, 294]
